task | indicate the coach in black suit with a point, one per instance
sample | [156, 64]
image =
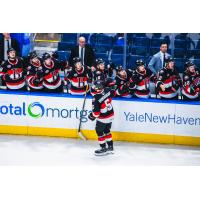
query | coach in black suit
[5, 43]
[84, 52]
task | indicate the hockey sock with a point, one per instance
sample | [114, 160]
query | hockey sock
[102, 141]
[109, 140]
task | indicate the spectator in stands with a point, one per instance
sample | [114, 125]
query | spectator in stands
[84, 52]
[5, 43]
[157, 62]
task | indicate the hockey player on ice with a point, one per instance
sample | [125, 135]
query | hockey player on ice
[102, 111]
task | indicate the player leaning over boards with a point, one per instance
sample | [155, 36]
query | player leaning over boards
[102, 111]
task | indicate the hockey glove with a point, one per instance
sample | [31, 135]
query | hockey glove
[91, 117]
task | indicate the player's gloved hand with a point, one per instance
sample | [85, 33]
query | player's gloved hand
[6, 77]
[124, 89]
[162, 87]
[91, 117]
[36, 82]
[192, 90]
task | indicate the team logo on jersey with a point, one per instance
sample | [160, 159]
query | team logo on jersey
[75, 75]
[98, 72]
[36, 110]
[47, 71]
[9, 66]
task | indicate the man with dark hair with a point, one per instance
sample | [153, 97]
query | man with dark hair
[169, 81]
[5, 43]
[13, 71]
[103, 112]
[191, 82]
[157, 62]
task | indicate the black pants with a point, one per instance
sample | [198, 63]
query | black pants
[57, 90]
[103, 132]
[188, 99]
[173, 98]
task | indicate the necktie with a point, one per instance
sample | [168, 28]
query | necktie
[8, 44]
[82, 56]
[164, 59]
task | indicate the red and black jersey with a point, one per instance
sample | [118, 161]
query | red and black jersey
[191, 84]
[120, 81]
[140, 83]
[102, 108]
[35, 75]
[13, 72]
[51, 77]
[79, 80]
[100, 75]
[171, 80]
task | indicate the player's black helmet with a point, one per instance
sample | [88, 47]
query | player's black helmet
[32, 55]
[45, 56]
[98, 85]
[169, 59]
[100, 61]
[76, 60]
[139, 63]
[10, 49]
[189, 64]
[55, 55]
[119, 68]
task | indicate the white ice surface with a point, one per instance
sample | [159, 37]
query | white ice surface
[26, 150]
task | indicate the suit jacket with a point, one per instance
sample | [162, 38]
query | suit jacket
[14, 44]
[89, 56]
[155, 63]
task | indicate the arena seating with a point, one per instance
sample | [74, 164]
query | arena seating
[139, 45]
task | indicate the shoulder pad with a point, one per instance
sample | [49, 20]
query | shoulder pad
[161, 72]
[186, 78]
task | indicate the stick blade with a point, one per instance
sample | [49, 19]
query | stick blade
[81, 136]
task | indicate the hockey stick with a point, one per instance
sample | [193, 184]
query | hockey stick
[80, 122]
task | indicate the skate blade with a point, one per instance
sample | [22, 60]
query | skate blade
[102, 154]
[111, 152]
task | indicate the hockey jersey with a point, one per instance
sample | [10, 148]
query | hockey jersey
[119, 82]
[13, 73]
[140, 83]
[79, 80]
[191, 84]
[35, 75]
[171, 80]
[51, 77]
[102, 108]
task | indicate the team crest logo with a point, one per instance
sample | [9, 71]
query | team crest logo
[98, 72]
[75, 75]
[9, 66]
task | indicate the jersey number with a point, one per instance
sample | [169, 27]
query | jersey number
[108, 104]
